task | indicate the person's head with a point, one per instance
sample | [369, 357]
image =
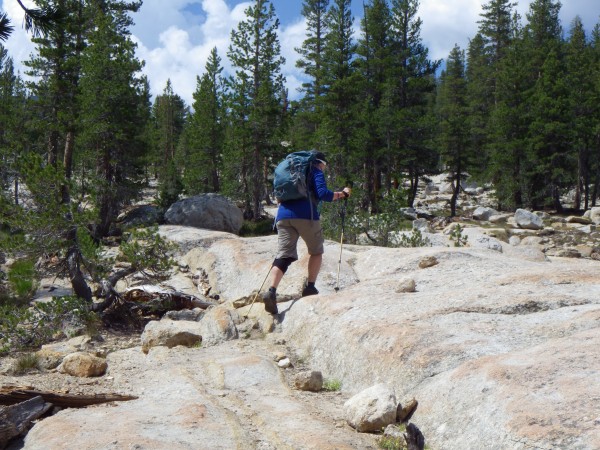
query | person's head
[321, 160]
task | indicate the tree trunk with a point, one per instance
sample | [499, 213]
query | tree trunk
[80, 286]
[68, 166]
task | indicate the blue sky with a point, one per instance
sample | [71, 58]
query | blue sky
[175, 37]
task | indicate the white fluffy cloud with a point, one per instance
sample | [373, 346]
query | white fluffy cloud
[175, 38]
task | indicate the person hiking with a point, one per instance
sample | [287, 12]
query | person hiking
[299, 218]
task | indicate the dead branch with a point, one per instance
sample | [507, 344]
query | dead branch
[11, 395]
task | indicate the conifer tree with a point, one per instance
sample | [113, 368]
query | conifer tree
[546, 101]
[311, 62]
[374, 66]
[257, 102]
[339, 119]
[205, 131]
[454, 127]
[110, 99]
[411, 98]
[583, 106]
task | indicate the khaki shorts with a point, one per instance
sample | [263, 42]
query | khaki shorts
[288, 232]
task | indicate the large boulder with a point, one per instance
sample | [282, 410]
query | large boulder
[209, 211]
[372, 409]
[144, 215]
[594, 215]
[484, 213]
[528, 220]
[171, 333]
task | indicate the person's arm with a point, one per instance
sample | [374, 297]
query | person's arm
[324, 194]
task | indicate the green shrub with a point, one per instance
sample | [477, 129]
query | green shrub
[263, 227]
[391, 443]
[21, 278]
[415, 239]
[24, 328]
[332, 385]
[456, 236]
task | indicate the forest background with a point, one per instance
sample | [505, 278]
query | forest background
[517, 110]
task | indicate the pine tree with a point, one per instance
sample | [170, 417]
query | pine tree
[110, 99]
[583, 105]
[311, 62]
[257, 100]
[169, 114]
[454, 125]
[411, 94]
[374, 66]
[205, 131]
[339, 122]
[547, 165]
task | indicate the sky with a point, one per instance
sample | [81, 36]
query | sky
[175, 37]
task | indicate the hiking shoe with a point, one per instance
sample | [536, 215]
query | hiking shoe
[309, 290]
[269, 299]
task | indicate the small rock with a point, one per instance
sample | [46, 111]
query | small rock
[405, 285]
[82, 364]
[278, 356]
[285, 363]
[428, 261]
[309, 381]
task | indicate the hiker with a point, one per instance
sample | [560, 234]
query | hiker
[300, 218]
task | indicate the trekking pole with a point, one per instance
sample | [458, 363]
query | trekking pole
[259, 289]
[337, 287]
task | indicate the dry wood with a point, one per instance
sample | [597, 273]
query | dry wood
[16, 419]
[164, 300]
[10, 395]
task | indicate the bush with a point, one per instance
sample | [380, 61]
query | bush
[25, 328]
[415, 239]
[263, 227]
[21, 279]
[332, 385]
[26, 363]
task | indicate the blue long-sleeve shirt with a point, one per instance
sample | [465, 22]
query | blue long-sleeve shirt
[301, 208]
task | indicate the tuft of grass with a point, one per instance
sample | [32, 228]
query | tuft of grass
[391, 443]
[262, 227]
[26, 363]
[332, 385]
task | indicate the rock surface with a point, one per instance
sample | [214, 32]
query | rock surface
[500, 349]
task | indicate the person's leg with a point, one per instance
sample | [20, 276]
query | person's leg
[314, 267]
[312, 234]
[276, 276]
[287, 239]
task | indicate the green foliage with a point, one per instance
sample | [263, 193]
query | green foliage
[391, 443]
[263, 227]
[21, 278]
[147, 251]
[332, 385]
[457, 237]
[415, 239]
[170, 186]
[23, 328]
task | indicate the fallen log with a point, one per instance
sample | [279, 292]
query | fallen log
[11, 395]
[149, 298]
[16, 419]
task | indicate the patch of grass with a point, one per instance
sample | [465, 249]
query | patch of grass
[332, 385]
[26, 363]
[263, 227]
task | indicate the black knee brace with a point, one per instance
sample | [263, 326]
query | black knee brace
[283, 263]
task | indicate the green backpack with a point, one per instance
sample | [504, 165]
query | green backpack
[291, 176]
